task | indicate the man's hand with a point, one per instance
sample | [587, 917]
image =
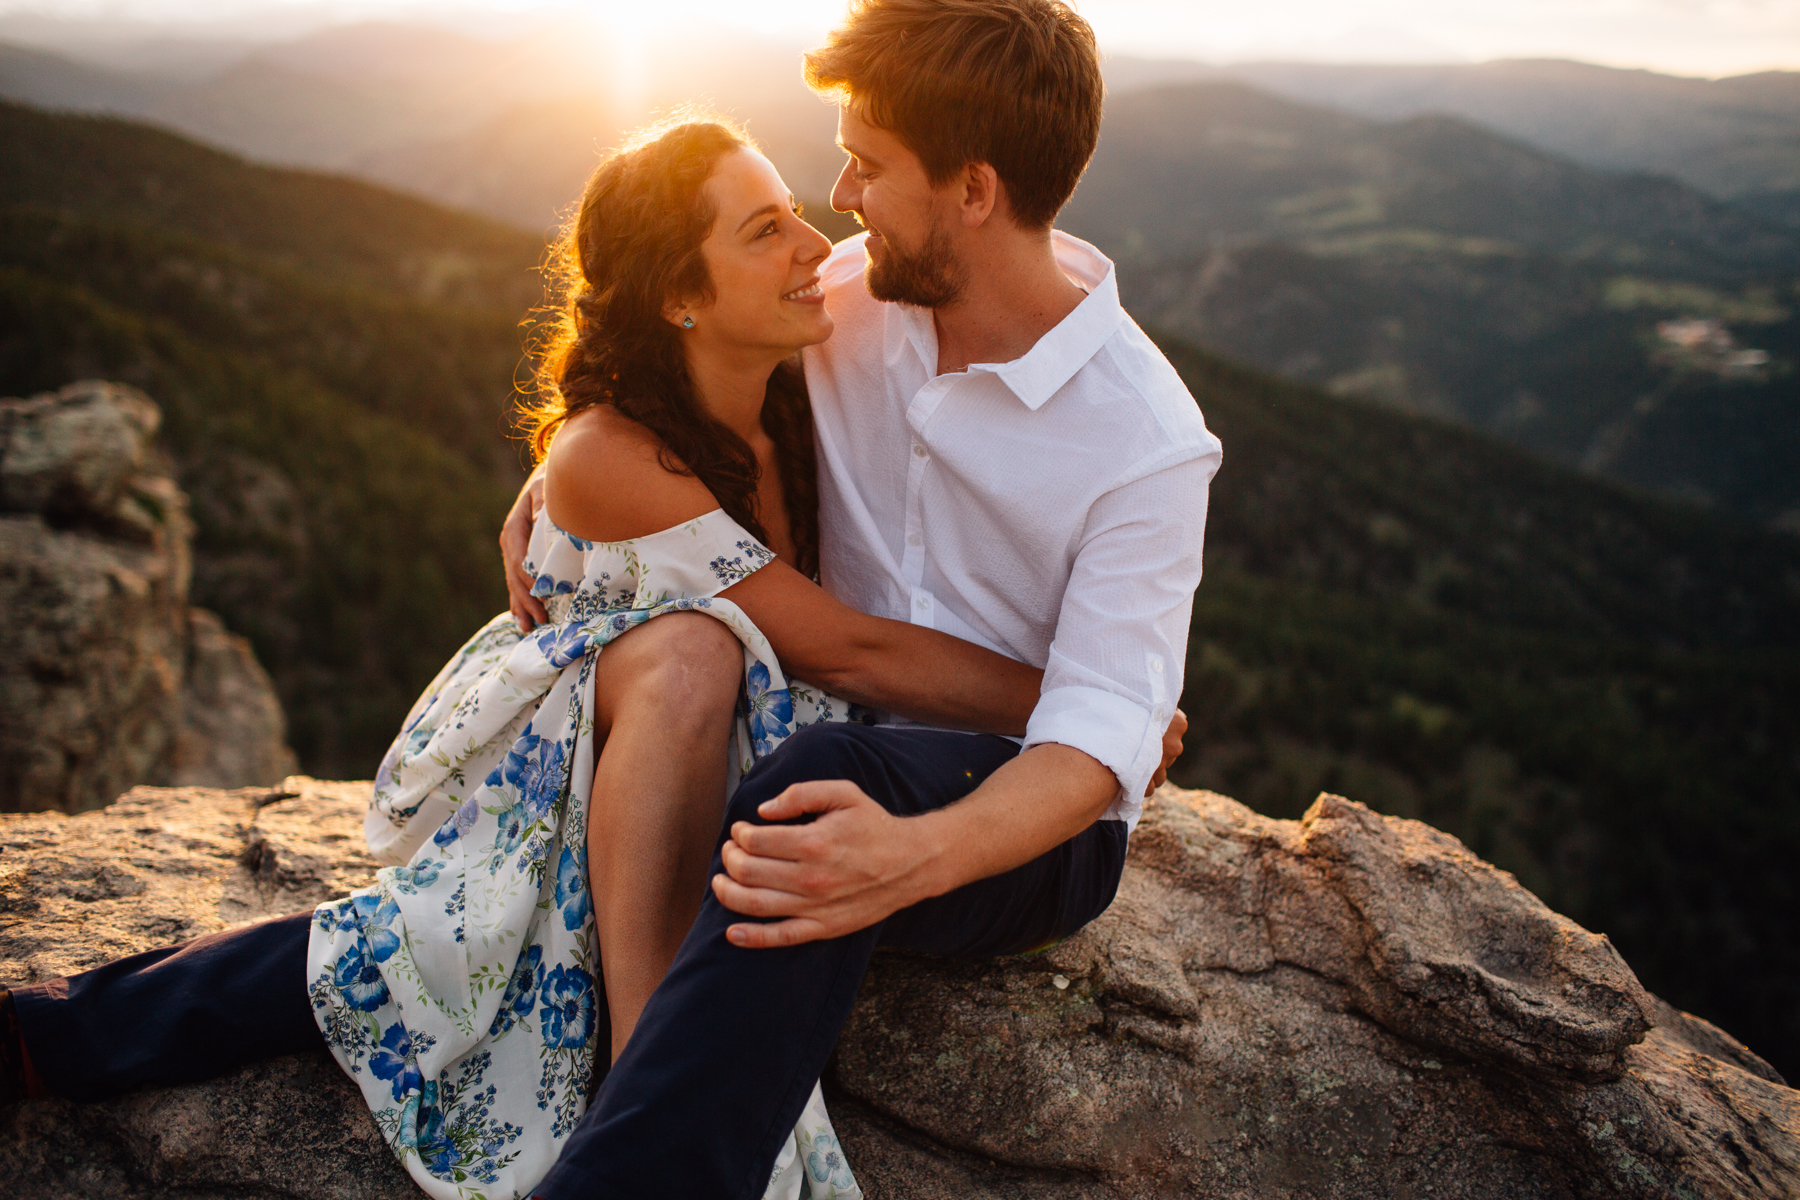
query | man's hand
[1171, 749]
[854, 865]
[515, 539]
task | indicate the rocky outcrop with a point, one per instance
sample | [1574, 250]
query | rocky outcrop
[109, 678]
[1348, 1005]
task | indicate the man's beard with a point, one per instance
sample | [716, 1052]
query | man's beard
[929, 277]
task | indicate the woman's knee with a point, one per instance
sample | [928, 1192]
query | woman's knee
[676, 663]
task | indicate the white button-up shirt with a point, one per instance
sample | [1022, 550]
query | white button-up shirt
[1050, 508]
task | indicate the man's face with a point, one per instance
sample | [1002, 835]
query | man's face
[912, 255]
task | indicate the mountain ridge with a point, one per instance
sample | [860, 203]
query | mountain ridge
[1607, 118]
[1268, 163]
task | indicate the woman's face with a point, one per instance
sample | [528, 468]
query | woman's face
[764, 262]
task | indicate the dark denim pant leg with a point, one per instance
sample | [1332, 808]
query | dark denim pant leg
[177, 1015]
[732, 1041]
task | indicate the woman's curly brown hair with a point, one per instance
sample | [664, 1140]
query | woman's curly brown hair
[631, 248]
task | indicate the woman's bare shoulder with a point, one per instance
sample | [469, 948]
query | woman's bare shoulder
[607, 479]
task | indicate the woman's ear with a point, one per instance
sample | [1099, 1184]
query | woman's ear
[678, 315]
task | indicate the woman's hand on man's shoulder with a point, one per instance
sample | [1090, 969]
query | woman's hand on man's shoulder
[515, 543]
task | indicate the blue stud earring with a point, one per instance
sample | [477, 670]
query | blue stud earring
[687, 322]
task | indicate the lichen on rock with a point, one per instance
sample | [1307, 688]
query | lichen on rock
[1349, 1005]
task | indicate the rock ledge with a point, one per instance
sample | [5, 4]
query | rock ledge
[1348, 1005]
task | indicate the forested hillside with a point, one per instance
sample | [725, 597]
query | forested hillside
[1594, 687]
[1629, 326]
[335, 365]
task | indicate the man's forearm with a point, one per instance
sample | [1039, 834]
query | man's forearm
[1033, 804]
[856, 864]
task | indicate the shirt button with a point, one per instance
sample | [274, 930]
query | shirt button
[918, 450]
[924, 603]
[913, 539]
[1156, 665]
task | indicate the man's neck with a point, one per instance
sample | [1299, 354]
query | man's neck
[1015, 293]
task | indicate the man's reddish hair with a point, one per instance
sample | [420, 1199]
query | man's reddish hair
[1011, 83]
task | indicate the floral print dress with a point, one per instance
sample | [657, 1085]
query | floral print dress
[459, 989]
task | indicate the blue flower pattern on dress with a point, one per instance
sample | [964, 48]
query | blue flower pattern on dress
[359, 979]
[566, 1008]
[731, 570]
[395, 1061]
[827, 1164]
[770, 710]
[459, 990]
[414, 877]
[374, 915]
[539, 778]
[572, 887]
[563, 644]
[521, 992]
[460, 822]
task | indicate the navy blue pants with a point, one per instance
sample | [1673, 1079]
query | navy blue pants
[725, 1053]
[171, 1016]
[730, 1044]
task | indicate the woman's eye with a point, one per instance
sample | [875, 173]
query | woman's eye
[766, 230]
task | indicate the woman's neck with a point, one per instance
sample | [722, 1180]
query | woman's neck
[731, 388]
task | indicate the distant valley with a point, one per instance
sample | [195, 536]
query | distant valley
[1518, 247]
[1736, 139]
[1435, 267]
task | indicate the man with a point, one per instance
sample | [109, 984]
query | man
[1003, 456]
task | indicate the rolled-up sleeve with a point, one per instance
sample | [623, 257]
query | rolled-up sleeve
[1114, 673]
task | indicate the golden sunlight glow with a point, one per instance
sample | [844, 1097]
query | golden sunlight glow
[1695, 37]
[762, 16]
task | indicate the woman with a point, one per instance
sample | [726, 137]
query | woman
[676, 448]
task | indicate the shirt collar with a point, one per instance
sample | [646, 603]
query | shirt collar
[1042, 371]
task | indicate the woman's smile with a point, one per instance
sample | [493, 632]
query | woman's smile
[812, 293]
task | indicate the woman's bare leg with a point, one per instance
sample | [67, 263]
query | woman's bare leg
[663, 698]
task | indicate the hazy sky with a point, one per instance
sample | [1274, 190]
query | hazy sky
[1696, 37]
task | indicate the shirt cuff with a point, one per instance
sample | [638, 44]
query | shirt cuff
[1120, 734]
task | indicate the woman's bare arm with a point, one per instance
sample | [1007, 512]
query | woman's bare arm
[832, 662]
[906, 669]
[604, 480]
